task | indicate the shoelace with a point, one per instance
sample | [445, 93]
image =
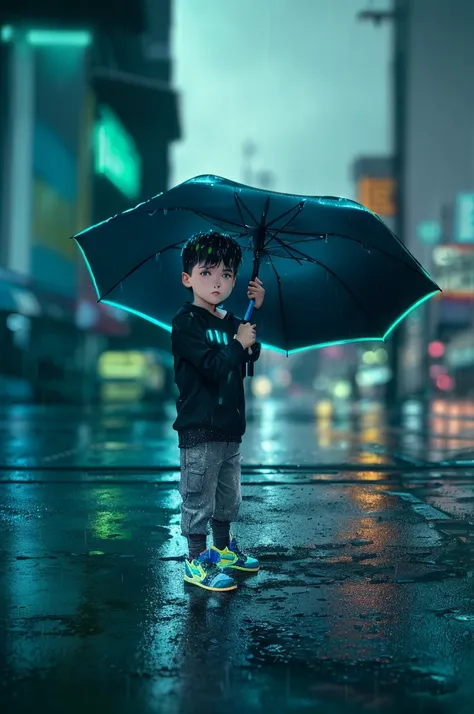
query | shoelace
[237, 551]
[210, 567]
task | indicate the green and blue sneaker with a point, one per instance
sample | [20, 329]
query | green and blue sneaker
[204, 572]
[232, 557]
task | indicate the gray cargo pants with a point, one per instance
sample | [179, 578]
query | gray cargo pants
[209, 485]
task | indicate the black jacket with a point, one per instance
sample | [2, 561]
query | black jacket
[209, 367]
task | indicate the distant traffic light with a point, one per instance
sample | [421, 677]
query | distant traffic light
[436, 349]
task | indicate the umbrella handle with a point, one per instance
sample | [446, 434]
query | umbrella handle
[248, 317]
[249, 313]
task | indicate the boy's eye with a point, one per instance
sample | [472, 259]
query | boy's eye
[206, 272]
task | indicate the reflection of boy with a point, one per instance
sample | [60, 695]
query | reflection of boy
[210, 348]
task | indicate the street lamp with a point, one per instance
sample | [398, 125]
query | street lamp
[397, 15]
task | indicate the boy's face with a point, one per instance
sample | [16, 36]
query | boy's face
[210, 285]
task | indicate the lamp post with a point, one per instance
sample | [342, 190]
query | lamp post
[398, 16]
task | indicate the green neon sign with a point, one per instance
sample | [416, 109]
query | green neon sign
[47, 38]
[115, 154]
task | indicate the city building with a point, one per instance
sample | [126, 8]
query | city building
[438, 182]
[87, 114]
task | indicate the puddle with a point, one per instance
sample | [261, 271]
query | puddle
[275, 646]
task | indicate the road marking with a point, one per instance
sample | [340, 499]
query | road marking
[423, 509]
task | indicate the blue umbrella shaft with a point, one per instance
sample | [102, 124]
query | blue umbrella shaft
[247, 318]
[249, 313]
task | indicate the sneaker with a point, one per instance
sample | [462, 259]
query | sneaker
[204, 573]
[232, 557]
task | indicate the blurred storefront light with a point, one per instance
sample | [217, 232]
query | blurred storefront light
[6, 33]
[16, 322]
[378, 356]
[464, 220]
[429, 232]
[116, 156]
[439, 407]
[454, 271]
[122, 365]
[261, 387]
[460, 355]
[373, 377]
[324, 409]
[342, 390]
[124, 391]
[47, 38]
[412, 407]
[59, 37]
[377, 194]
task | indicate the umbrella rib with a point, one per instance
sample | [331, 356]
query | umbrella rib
[275, 231]
[151, 212]
[165, 210]
[212, 219]
[238, 201]
[319, 237]
[142, 262]
[239, 208]
[333, 274]
[215, 222]
[280, 302]
[285, 247]
[298, 208]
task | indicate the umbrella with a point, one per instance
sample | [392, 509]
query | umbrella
[332, 270]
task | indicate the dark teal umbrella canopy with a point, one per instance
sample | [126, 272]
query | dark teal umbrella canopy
[332, 270]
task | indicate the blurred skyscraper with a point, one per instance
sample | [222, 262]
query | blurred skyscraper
[438, 187]
[87, 114]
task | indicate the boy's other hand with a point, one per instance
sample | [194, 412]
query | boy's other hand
[256, 292]
[246, 335]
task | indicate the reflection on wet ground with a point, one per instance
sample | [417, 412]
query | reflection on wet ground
[278, 434]
[364, 602]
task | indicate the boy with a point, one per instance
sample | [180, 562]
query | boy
[210, 348]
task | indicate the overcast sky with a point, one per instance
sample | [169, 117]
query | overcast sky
[304, 79]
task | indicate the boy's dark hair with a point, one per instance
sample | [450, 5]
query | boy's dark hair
[211, 248]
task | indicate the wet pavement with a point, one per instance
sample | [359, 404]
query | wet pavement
[365, 598]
